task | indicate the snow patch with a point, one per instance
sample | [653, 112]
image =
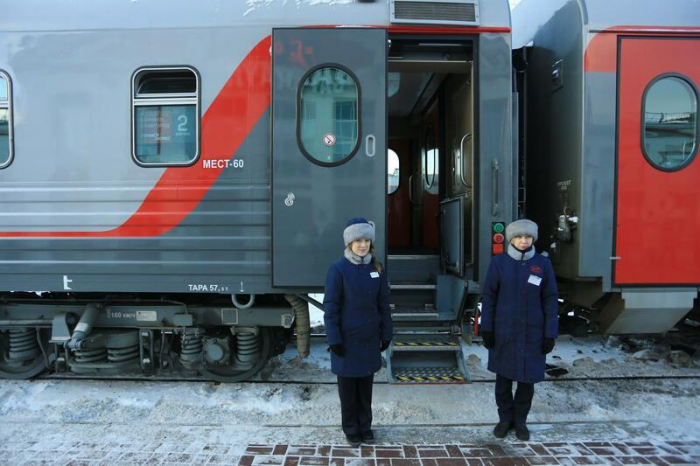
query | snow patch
[254, 5]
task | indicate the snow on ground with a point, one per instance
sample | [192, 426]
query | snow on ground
[597, 356]
[263, 411]
[297, 402]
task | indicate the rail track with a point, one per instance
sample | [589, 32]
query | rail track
[330, 382]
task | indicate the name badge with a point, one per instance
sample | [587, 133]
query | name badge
[535, 280]
[374, 274]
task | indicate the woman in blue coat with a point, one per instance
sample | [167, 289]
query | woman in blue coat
[519, 322]
[358, 326]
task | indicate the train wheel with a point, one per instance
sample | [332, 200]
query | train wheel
[233, 375]
[22, 356]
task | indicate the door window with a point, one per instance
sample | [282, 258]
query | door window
[328, 124]
[393, 173]
[430, 161]
[5, 121]
[669, 136]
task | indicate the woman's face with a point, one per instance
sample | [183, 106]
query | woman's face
[521, 242]
[360, 247]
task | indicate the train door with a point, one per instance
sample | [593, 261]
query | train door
[430, 115]
[657, 166]
[328, 145]
[457, 230]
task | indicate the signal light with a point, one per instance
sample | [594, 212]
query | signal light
[497, 238]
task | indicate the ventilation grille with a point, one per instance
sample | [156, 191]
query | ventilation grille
[406, 11]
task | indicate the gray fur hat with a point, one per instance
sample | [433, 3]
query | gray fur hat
[522, 227]
[357, 228]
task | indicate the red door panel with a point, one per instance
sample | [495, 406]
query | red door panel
[658, 209]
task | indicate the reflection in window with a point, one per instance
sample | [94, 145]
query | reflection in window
[393, 83]
[5, 121]
[670, 123]
[328, 123]
[430, 162]
[166, 116]
[392, 172]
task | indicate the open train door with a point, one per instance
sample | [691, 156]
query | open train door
[658, 171]
[328, 145]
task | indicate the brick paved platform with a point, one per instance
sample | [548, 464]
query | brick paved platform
[501, 454]
[78, 444]
[660, 453]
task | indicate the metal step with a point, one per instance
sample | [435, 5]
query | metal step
[426, 359]
[413, 267]
[409, 285]
[424, 375]
[426, 343]
[417, 313]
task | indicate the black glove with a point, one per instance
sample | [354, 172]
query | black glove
[384, 345]
[338, 350]
[489, 339]
[547, 345]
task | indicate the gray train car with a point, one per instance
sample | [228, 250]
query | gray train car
[610, 142]
[176, 176]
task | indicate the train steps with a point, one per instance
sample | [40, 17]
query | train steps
[426, 346]
[426, 359]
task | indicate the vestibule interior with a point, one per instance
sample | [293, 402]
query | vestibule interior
[431, 144]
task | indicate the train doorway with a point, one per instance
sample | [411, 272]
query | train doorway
[430, 165]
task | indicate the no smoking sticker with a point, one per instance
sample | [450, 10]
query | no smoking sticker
[329, 139]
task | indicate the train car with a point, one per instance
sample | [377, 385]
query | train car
[176, 176]
[609, 142]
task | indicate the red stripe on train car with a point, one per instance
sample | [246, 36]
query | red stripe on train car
[225, 125]
[601, 52]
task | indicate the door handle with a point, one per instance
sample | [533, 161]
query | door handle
[494, 186]
[370, 145]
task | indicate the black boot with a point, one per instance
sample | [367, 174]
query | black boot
[522, 432]
[367, 437]
[502, 428]
[353, 440]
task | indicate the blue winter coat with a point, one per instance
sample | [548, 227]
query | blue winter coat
[521, 314]
[357, 316]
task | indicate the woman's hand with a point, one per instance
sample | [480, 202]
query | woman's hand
[338, 350]
[489, 339]
[547, 345]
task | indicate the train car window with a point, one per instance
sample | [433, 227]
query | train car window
[5, 120]
[165, 117]
[393, 173]
[327, 121]
[670, 123]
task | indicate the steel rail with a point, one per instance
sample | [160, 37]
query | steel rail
[133, 378]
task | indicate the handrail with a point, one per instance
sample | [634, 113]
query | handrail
[461, 154]
[494, 186]
[410, 190]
